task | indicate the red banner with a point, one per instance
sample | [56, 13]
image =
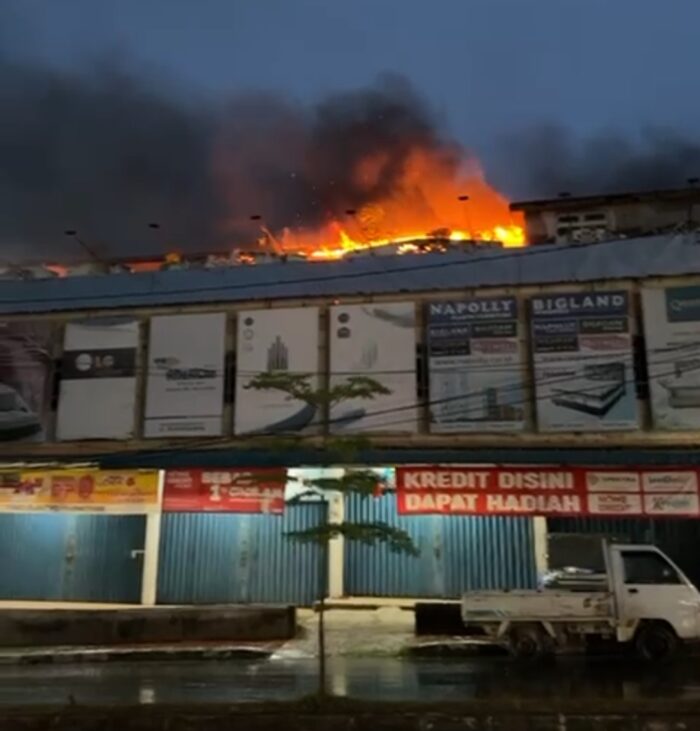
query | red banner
[547, 491]
[225, 491]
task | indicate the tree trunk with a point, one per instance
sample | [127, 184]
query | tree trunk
[322, 621]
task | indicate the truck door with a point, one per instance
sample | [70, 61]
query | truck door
[649, 586]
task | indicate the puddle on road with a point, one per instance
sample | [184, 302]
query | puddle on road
[391, 679]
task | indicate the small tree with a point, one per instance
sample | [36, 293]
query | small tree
[362, 482]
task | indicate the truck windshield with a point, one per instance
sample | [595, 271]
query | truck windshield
[647, 567]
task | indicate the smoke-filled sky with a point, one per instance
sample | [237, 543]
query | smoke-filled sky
[196, 115]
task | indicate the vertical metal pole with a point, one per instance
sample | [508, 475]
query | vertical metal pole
[323, 591]
[539, 530]
[336, 549]
[151, 550]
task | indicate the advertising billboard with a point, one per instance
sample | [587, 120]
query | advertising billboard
[583, 362]
[26, 373]
[282, 341]
[97, 395]
[672, 335]
[257, 490]
[377, 341]
[475, 365]
[573, 491]
[96, 491]
[185, 386]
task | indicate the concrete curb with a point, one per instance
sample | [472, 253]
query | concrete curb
[151, 653]
[153, 626]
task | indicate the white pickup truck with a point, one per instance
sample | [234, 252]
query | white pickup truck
[644, 600]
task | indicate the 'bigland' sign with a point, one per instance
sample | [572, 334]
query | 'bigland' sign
[547, 491]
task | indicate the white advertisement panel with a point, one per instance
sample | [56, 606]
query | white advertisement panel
[583, 362]
[377, 341]
[185, 387]
[97, 396]
[672, 334]
[284, 341]
[476, 365]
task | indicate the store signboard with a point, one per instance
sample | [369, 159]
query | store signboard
[97, 396]
[672, 335]
[475, 365]
[376, 341]
[256, 490]
[185, 386]
[583, 361]
[83, 490]
[26, 373]
[549, 491]
[281, 341]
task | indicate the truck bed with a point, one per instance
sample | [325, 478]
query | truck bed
[547, 605]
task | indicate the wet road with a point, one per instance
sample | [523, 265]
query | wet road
[234, 681]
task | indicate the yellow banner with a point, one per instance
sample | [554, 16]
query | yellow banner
[109, 491]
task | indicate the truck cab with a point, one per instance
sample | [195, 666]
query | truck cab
[651, 591]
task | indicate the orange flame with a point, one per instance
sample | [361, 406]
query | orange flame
[429, 203]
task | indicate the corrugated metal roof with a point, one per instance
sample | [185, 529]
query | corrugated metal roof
[631, 258]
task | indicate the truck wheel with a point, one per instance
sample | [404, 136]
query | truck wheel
[656, 643]
[530, 643]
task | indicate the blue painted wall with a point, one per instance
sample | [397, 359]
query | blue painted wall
[71, 557]
[227, 557]
[457, 553]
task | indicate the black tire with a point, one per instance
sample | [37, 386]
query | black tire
[656, 643]
[530, 643]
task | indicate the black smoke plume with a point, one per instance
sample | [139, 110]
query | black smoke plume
[102, 154]
[547, 160]
[106, 154]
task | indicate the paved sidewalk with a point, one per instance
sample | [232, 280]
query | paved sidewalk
[384, 632]
[352, 630]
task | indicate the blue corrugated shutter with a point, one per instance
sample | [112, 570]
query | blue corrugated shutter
[227, 557]
[677, 537]
[69, 557]
[457, 553]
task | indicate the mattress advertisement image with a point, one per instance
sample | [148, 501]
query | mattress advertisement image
[583, 361]
[476, 366]
[97, 396]
[282, 341]
[377, 341]
[26, 372]
[185, 387]
[672, 335]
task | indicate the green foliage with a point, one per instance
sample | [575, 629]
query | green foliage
[371, 534]
[297, 386]
[344, 449]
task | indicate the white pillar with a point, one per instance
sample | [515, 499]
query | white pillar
[539, 529]
[336, 549]
[151, 550]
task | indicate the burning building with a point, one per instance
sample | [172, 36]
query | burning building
[605, 217]
[491, 352]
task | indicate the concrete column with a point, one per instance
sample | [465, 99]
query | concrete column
[336, 549]
[151, 550]
[539, 529]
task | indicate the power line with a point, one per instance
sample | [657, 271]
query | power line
[689, 346]
[414, 406]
